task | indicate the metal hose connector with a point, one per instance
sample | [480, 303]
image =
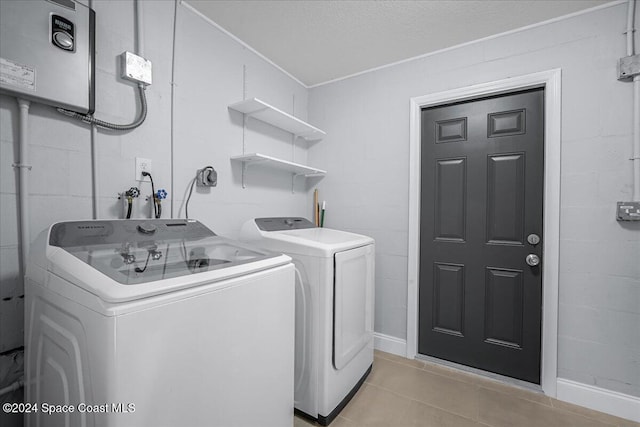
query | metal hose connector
[89, 119]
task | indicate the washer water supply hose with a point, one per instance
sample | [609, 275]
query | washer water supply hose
[130, 194]
[157, 196]
[106, 125]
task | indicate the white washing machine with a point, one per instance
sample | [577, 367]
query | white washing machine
[334, 309]
[157, 323]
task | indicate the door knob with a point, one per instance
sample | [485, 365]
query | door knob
[533, 260]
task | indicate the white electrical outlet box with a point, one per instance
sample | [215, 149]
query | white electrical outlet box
[628, 211]
[136, 68]
[142, 165]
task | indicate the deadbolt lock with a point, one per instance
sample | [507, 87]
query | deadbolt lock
[533, 239]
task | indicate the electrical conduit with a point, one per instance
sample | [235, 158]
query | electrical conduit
[635, 157]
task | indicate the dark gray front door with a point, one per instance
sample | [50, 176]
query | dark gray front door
[481, 210]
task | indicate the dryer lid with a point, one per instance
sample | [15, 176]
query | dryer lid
[314, 241]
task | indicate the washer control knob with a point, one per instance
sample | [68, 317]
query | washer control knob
[147, 228]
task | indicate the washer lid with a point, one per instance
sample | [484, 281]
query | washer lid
[120, 260]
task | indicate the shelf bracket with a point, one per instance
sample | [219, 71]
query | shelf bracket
[293, 180]
[244, 171]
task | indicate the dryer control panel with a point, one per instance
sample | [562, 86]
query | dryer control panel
[283, 223]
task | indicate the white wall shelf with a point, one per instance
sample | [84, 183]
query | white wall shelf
[262, 111]
[279, 164]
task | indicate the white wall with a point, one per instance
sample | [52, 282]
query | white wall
[366, 153]
[208, 76]
[212, 71]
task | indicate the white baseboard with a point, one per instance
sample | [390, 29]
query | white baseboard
[390, 344]
[603, 400]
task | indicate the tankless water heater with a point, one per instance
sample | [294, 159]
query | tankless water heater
[47, 52]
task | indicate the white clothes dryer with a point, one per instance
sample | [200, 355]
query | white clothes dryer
[334, 309]
[157, 323]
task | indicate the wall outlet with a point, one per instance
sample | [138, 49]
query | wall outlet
[136, 68]
[207, 177]
[142, 165]
[628, 211]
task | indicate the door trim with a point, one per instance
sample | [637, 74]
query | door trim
[551, 81]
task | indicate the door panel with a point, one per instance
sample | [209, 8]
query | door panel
[451, 184]
[505, 198]
[506, 123]
[504, 304]
[448, 282]
[481, 195]
[451, 130]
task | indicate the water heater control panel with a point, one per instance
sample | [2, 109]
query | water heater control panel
[62, 33]
[47, 52]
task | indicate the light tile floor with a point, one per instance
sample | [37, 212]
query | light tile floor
[400, 393]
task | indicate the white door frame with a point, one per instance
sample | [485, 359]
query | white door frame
[551, 81]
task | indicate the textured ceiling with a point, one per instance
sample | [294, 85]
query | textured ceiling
[321, 40]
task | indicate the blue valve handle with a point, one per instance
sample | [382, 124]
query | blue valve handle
[161, 194]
